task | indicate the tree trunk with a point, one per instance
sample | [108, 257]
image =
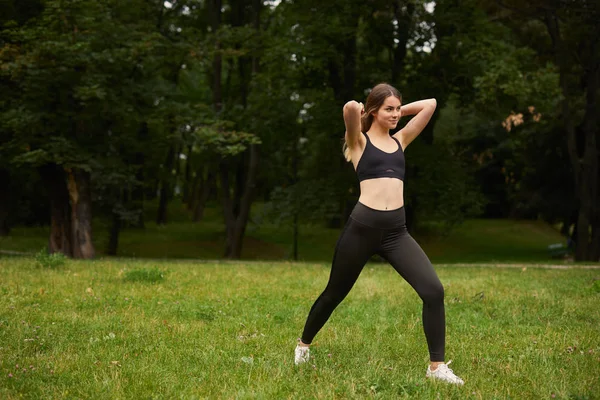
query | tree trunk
[138, 191]
[237, 220]
[204, 191]
[188, 182]
[404, 19]
[165, 188]
[81, 213]
[161, 215]
[115, 230]
[4, 202]
[257, 5]
[590, 165]
[217, 61]
[229, 217]
[194, 190]
[342, 77]
[60, 209]
[595, 246]
[295, 157]
[241, 219]
[584, 161]
[586, 169]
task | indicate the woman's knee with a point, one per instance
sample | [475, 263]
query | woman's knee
[433, 293]
[333, 295]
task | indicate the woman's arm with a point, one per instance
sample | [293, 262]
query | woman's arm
[352, 114]
[422, 111]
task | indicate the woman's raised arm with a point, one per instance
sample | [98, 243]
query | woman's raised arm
[422, 111]
[352, 113]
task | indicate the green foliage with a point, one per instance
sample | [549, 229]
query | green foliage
[440, 187]
[312, 201]
[219, 138]
[120, 88]
[500, 119]
[153, 275]
[43, 259]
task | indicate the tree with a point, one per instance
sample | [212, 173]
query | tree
[574, 46]
[71, 68]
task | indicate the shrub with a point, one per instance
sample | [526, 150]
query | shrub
[43, 259]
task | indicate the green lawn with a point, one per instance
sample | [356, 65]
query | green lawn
[476, 240]
[113, 329]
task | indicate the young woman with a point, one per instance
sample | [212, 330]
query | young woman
[377, 225]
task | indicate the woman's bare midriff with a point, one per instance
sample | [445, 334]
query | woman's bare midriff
[382, 193]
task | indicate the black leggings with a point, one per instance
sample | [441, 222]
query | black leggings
[370, 232]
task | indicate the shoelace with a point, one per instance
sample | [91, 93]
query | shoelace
[445, 367]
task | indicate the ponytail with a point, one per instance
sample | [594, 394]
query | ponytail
[346, 151]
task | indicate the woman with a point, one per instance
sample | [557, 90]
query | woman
[377, 225]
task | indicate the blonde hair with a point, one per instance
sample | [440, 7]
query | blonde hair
[375, 99]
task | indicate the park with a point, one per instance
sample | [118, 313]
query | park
[173, 194]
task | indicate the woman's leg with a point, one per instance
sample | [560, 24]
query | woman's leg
[355, 246]
[407, 257]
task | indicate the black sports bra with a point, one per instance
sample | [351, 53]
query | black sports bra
[376, 163]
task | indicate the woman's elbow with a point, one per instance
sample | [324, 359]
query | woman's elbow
[351, 106]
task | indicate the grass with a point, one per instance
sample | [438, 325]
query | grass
[476, 240]
[494, 240]
[227, 330]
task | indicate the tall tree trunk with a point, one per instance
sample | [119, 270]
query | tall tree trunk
[404, 14]
[204, 191]
[342, 77]
[236, 212]
[194, 190]
[595, 247]
[215, 6]
[165, 187]
[257, 6]
[115, 230]
[295, 157]
[236, 222]
[342, 72]
[60, 209]
[229, 217]
[163, 201]
[188, 182]
[590, 189]
[4, 202]
[81, 213]
[236, 200]
[584, 161]
[138, 191]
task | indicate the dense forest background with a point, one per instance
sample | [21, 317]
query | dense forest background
[109, 106]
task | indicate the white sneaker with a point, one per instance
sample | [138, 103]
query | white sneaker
[445, 374]
[301, 354]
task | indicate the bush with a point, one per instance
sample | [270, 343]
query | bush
[596, 285]
[43, 259]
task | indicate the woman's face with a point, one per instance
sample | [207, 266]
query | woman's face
[388, 114]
